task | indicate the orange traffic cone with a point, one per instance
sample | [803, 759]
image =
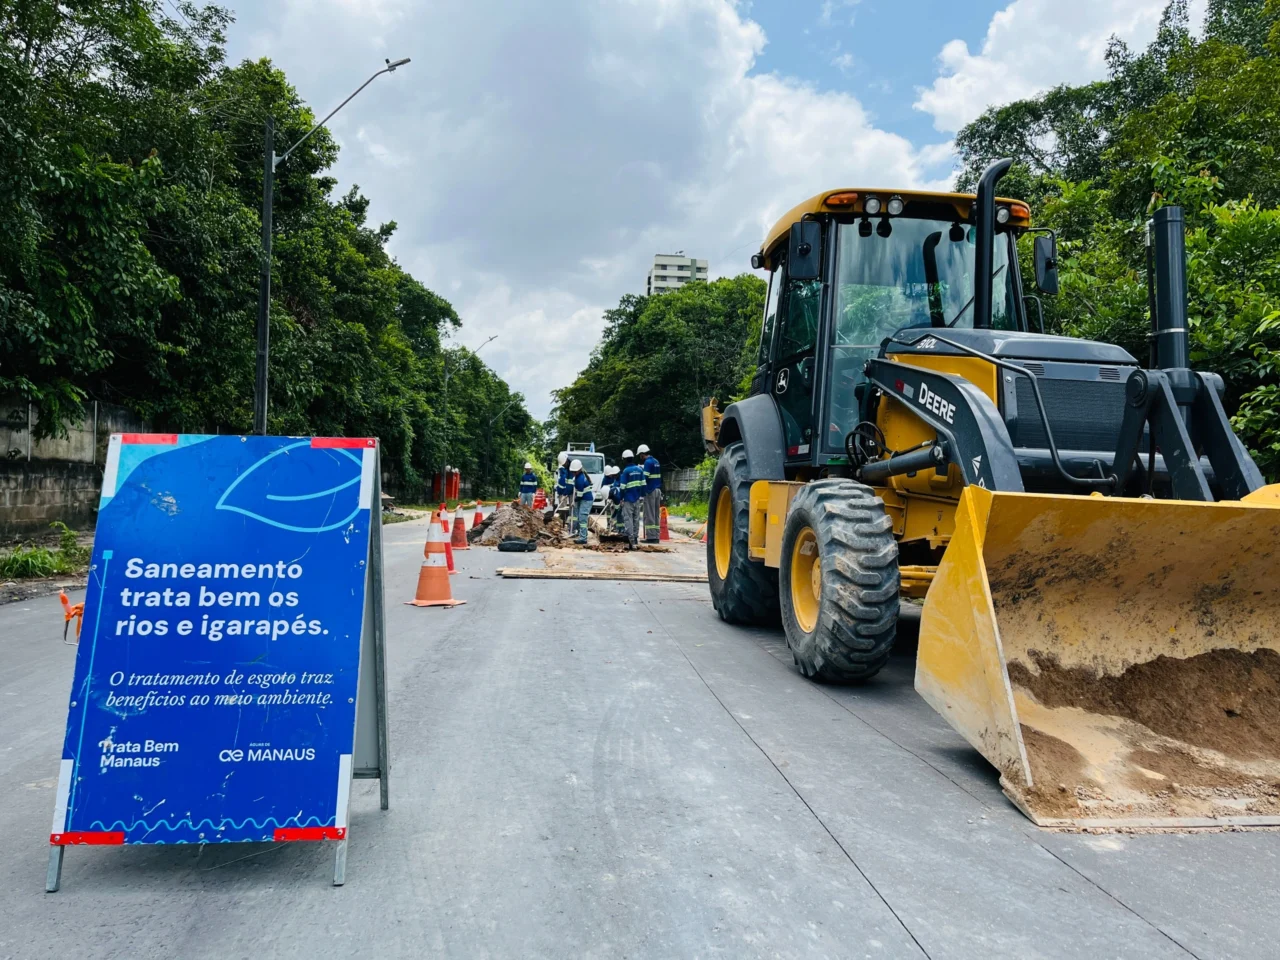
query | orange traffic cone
[704, 533]
[459, 539]
[478, 518]
[663, 532]
[433, 578]
[444, 518]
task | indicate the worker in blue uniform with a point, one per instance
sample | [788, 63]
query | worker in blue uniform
[584, 491]
[564, 490]
[652, 492]
[632, 482]
[528, 486]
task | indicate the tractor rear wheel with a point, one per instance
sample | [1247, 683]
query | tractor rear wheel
[742, 590]
[839, 581]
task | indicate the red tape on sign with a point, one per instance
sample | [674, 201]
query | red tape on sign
[283, 834]
[149, 438]
[347, 442]
[88, 837]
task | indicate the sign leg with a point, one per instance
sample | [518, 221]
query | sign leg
[53, 879]
[340, 864]
[380, 645]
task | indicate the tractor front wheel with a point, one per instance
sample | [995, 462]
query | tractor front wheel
[742, 590]
[839, 581]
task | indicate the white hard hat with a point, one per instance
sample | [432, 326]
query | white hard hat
[576, 465]
[562, 458]
[528, 465]
[627, 454]
[643, 448]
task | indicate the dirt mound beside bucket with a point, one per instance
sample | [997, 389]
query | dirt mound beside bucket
[1193, 739]
[1224, 700]
[509, 520]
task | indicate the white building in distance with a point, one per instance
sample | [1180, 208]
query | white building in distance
[672, 270]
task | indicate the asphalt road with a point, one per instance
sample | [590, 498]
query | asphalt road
[604, 769]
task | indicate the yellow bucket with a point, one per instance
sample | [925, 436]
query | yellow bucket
[1118, 660]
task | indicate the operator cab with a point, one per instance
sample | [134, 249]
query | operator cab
[877, 262]
[855, 273]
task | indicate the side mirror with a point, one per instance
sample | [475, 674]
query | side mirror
[1046, 256]
[803, 251]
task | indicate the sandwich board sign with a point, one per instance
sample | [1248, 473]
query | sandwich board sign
[230, 678]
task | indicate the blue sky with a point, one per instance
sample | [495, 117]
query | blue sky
[880, 51]
[537, 153]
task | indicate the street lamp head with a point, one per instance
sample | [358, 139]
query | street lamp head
[392, 64]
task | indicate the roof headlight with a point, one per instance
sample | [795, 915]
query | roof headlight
[871, 205]
[896, 206]
[1002, 214]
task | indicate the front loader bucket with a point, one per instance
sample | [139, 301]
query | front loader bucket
[1117, 659]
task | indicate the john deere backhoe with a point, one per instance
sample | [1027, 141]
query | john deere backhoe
[1098, 556]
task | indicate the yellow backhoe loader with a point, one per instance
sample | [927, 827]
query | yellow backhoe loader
[1097, 554]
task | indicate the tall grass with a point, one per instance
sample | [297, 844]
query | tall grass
[30, 562]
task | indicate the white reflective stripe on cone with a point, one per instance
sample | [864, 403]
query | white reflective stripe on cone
[434, 560]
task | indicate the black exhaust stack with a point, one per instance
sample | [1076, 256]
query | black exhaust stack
[1169, 321]
[1180, 409]
[984, 215]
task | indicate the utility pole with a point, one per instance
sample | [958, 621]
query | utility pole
[269, 163]
[264, 283]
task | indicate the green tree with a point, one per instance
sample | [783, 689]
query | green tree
[1188, 121]
[660, 357]
[130, 182]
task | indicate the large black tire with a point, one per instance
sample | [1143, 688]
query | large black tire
[748, 590]
[856, 620]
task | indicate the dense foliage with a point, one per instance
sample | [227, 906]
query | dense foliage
[130, 191]
[1193, 121]
[660, 357]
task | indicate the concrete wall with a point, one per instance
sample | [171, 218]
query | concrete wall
[35, 493]
[57, 478]
[678, 483]
[81, 444]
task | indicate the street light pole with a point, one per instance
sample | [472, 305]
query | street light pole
[269, 163]
[447, 375]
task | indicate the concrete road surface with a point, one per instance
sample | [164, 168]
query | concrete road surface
[604, 769]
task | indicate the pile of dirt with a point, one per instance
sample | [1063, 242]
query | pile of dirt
[509, 520]
[1223, 700]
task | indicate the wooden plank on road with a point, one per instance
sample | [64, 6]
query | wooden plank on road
[535, 573]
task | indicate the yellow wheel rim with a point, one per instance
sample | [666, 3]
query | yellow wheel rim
[722, 535]
[806, 579]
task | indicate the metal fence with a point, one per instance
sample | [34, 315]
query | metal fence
[84, 441]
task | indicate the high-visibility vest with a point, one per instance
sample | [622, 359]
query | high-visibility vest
[632, 479]
[652, 474]
[528, 483]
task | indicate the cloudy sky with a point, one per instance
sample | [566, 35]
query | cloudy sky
[537, 153]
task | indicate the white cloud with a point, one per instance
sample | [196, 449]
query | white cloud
[1030, 46]
[535, 162]
[833, 12]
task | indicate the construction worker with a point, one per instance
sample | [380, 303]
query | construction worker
[614, 520]
[528, 486]
[652, 492]
[632, 482]
[582, 487]
[564, 487]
